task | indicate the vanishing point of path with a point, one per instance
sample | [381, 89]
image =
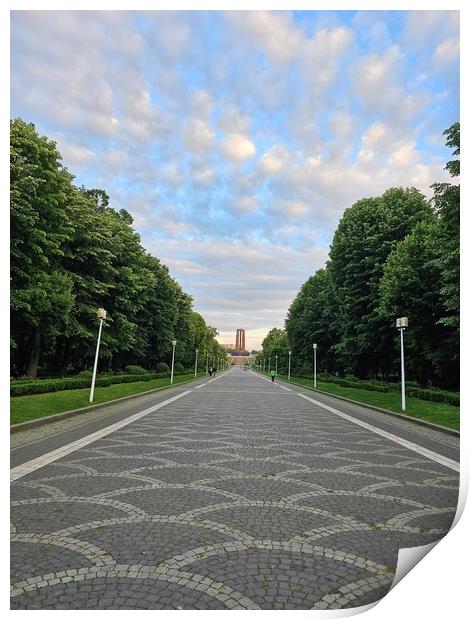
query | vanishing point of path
[237, 494]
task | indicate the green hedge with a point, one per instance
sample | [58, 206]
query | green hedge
[365, 385]
[135, 370]
[74, 383]
[437, 396]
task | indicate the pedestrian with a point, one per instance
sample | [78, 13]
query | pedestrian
[273, 374]
[210, 371]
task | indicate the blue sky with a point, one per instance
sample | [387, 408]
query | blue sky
[237, 139]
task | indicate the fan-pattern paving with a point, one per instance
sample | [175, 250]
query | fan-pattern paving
[238, 496]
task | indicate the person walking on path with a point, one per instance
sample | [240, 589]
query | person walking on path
[273, 374]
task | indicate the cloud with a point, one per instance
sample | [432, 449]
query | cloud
[447, 51]
[273, 160]
[237, 147]
[198, 136]
[237, 139]
[246, 204]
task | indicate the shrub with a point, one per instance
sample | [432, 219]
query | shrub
[179, 368]
[56, 385]
[437, 396]
[85, 374]
[135, 370]
[162, 367]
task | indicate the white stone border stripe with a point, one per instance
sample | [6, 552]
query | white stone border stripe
[50, 457]
[438, 458]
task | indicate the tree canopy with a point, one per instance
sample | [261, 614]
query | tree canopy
[392, 255]
[72, 253]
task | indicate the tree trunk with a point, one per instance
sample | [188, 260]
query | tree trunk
[33, 361]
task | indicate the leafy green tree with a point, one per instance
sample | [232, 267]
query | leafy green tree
[367, 233]
[72, 253]
[275, 343]
[311, 319]
[40, 223]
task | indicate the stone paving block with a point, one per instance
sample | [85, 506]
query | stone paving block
[237, 496]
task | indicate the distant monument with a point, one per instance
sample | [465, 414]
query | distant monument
[240, 343]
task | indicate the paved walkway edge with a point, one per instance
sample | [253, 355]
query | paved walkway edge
[419, 421]
[23, 426]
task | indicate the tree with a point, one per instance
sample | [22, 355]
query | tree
[311, 319]
[367, 233]
[40, 193]
[72, 253]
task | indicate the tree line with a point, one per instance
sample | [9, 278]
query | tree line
[391, 256]
[72, 253]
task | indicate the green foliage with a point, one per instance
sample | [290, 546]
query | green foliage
[85, 374]
[179, 368]
[135, 370]
[162, 367]
[275, 343]
[392, 255]
[437, 396]
[72, 253]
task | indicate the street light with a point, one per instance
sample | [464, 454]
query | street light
[173, 342]
[290, 355]
[402, 324]
[315, 365]
[101, 314]
[195, 365]
[276, 365]
[207, 364]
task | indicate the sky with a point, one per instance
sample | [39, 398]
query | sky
[236, 140]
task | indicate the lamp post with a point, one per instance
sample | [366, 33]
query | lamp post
[173, 342]
[290, 355]
[101, 314]
[276, 365]
[402, 324]
[207, 364]
[195, 365]
[315, 365]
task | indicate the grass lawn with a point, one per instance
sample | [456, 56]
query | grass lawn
[23, 408]
[438, 413]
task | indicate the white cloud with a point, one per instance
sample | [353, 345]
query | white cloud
[273, 160]
[74, 154]
[237, 147]
[198, 136]
[247, 204]
[447, 51]
[273, 32]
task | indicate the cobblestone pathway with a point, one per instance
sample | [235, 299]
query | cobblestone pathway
[240, 495]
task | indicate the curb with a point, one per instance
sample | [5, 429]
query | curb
[23, 426]
[436, 427]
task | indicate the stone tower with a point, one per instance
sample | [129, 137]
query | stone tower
[240, 340]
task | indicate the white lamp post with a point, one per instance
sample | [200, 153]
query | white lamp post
[315, 365]
[195, 365]
[101, 313]
[276, 364]
[173, 342]
[402, 324]
[290, 355]
[207, 364]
